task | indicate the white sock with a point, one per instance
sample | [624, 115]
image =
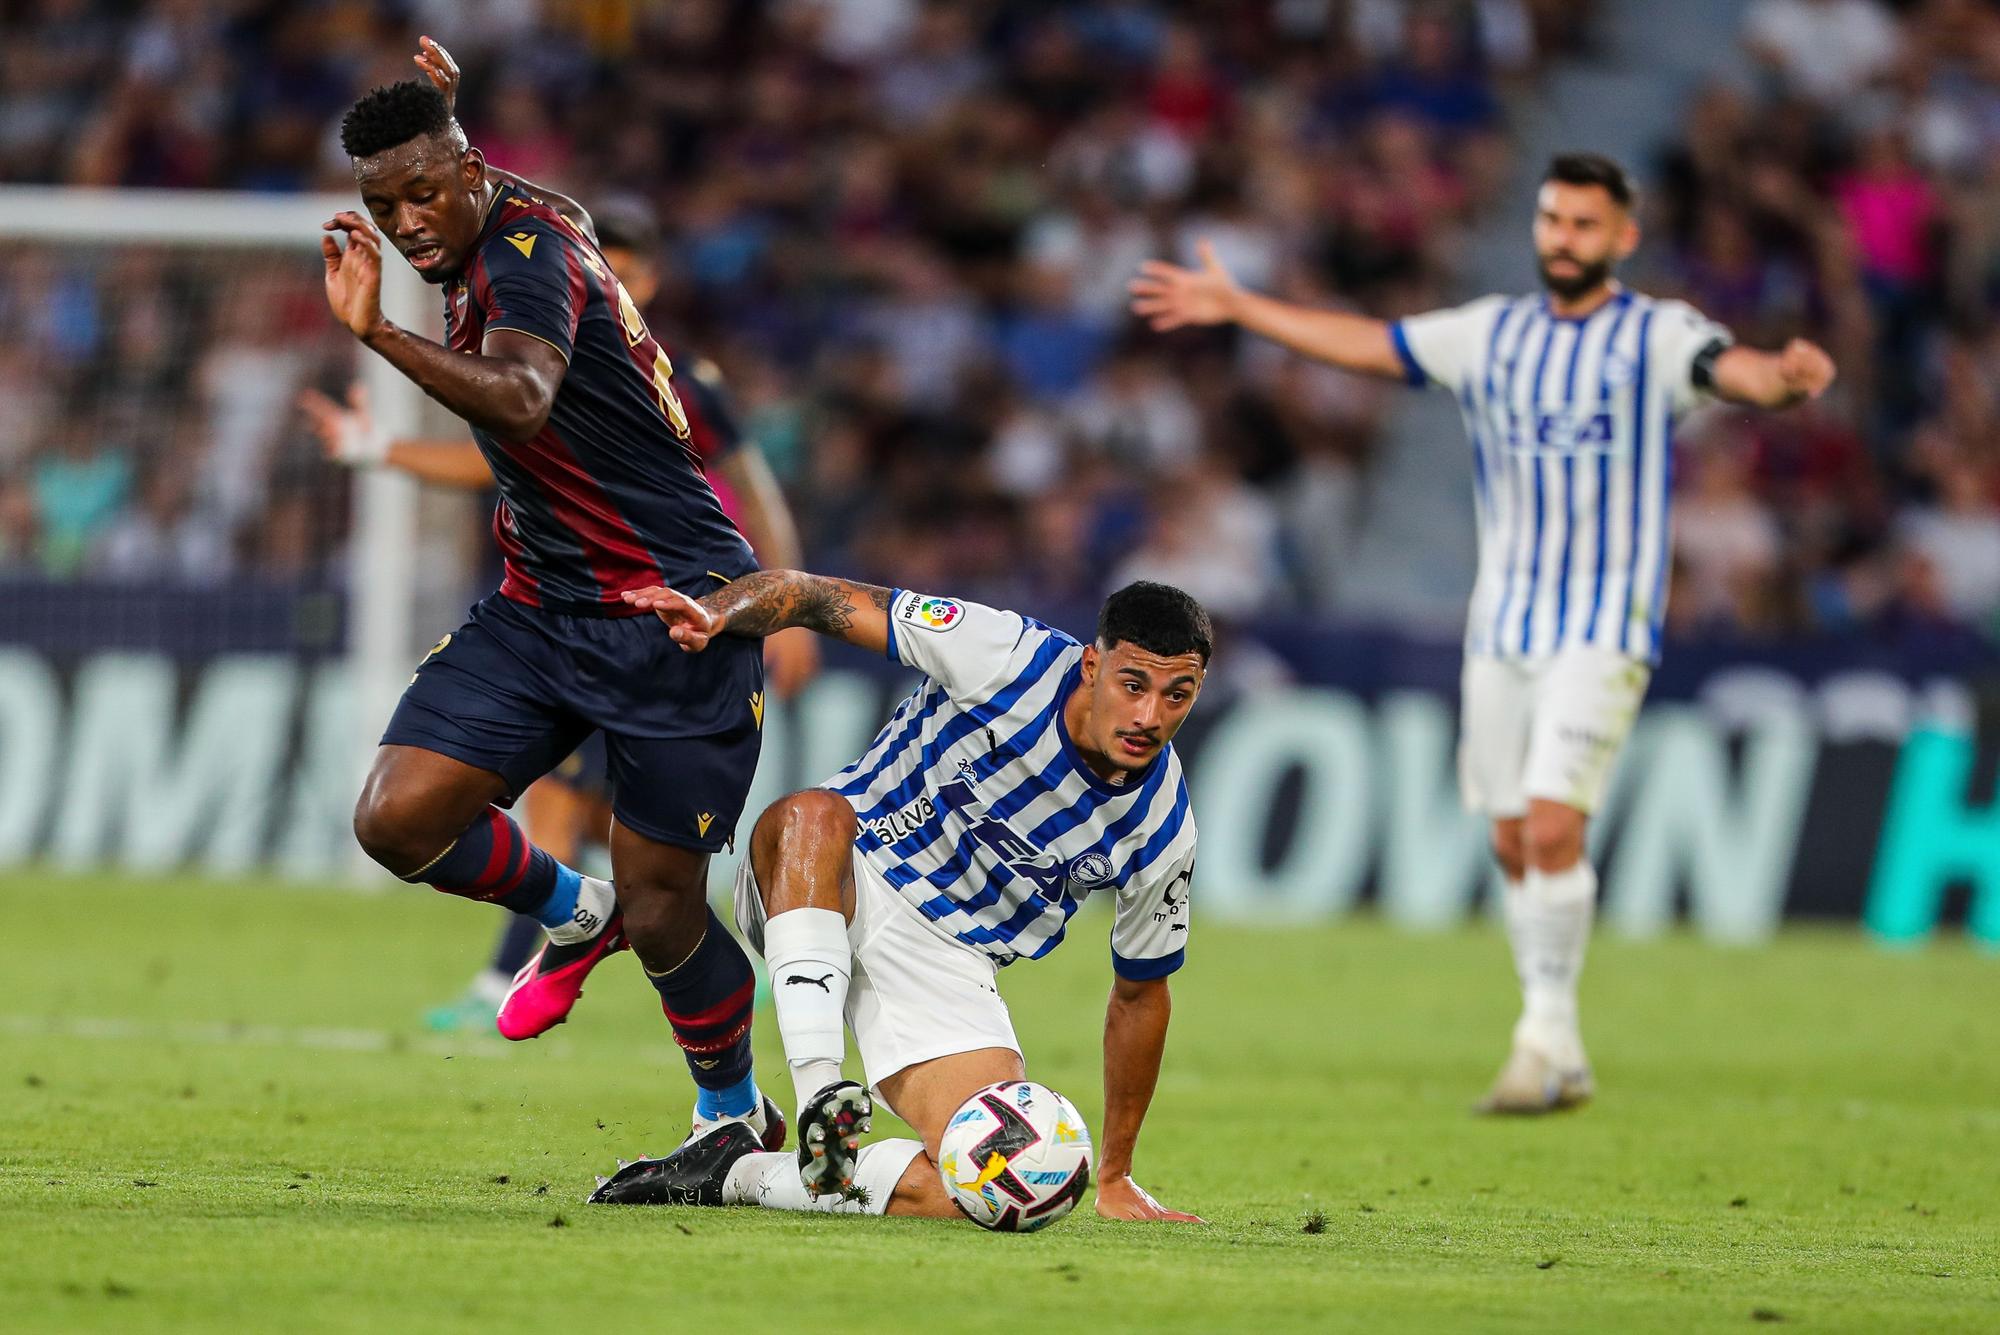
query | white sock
[1548, 924]
[772, 1180]
[810, 962]
[491, 985]
[595, 903]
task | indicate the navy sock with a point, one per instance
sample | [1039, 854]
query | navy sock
[518, 942]
[493, 861]
[708, 1000]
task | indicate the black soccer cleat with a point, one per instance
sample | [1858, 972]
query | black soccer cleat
[691, 1175]
[830, 1129]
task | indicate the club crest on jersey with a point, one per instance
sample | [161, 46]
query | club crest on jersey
[937, 614]
[1619, 370]
[1089, 871]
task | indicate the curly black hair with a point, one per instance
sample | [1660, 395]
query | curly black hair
[393, 115]
[1158, 618]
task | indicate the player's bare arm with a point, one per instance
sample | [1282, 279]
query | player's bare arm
[442, 71]
[348, 435]
[1169, 297]
[773, 600]
[507, 388]
[1135, 1037]
[1801, 371]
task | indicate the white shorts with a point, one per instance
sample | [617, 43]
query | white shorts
[1544, 727]
[915, 994]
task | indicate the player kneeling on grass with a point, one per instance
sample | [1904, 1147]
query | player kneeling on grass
[1026, 773]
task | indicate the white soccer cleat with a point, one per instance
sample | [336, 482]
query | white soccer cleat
[1531, 1083]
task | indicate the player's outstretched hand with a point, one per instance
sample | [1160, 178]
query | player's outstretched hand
[1806, 368]
[353, 272]
[690, 624]
[347, 434]
[1122, 1198]
[440, 68]
[791, 659]
[1167, 296]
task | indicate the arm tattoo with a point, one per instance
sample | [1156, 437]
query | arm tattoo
[772, 600]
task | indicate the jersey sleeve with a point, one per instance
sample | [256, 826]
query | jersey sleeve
[963, 647]
[1149, 929]
[711, 424]
[534, 282]
[1443, 347]
[1680, 335]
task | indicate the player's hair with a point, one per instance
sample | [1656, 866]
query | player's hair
[1594, 169]
[392, 115]
[1158, 618]
[626, 223]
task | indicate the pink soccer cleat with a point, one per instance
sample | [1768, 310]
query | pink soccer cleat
[548, 985]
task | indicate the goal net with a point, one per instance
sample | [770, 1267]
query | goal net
[203, 623]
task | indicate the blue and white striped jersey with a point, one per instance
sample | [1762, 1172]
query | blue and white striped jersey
[1572, 430]
[975, 804]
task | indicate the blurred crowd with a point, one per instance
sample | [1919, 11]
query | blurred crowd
[1848, 190]
[903, 227]
[148, 431]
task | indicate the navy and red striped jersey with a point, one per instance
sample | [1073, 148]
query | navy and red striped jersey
[611, 494]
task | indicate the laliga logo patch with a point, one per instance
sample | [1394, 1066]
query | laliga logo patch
[1090, 871]
[938, 614]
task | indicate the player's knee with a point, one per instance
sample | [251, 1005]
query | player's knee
[395, 831]
[1554, 836]
[809, 818]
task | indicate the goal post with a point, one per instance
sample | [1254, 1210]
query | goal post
[55, 241]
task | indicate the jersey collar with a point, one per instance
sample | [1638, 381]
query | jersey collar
[1620, 295]
[495, 208]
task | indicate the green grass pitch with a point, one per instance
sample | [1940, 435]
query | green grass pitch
[218, 1111]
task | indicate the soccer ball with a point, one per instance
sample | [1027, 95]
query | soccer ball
[1015, 1156]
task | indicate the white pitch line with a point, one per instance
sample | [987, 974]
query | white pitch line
[224, 1034]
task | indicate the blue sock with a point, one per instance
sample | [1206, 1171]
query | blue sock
[518, 943]
[560, 906]
[738, 1100]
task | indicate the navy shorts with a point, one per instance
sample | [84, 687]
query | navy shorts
[516, 689]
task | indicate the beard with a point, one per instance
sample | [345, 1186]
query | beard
[1587, 278]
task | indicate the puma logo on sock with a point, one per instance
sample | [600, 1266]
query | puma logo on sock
[820, 983]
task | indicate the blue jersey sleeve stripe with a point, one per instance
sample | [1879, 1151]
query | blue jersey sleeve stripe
[1638, 476]
[1412, 370]
[1145, 971]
